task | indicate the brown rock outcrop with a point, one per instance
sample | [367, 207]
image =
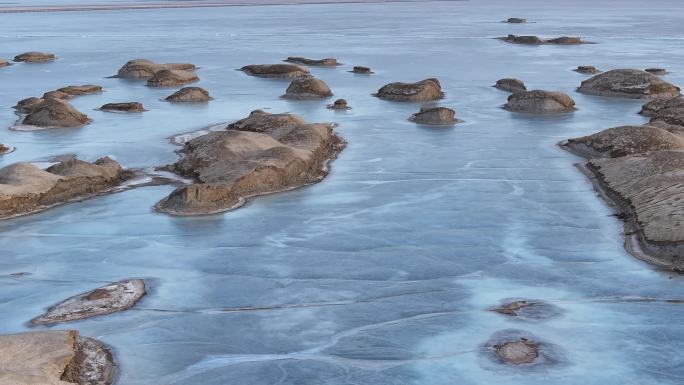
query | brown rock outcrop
[672, 116]
[275, 70]
[55, 113]
[587, 70]
[516, 20]
[27, 105]
[171, 78]
[108, 299]
[535, 40]
[34, 57]
[86, 89]
[123, 107]
[4, 63]
[339, 104]
[519, 352]
[143, 68]
[261, 154]
[307, 87]
[625, 140]
[361, 70]
[540, 102]
[25, 188]
[434, 116]
[190, 95]
[58, 357]
[5, 149]
[656, 105]
[56, 95]
[510, 85]
[628, 83]
[327, 62]
[422, 91]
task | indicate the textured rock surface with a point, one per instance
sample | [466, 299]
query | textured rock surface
[531, 310]
[327, 62]
[540, 102]
[625, 140]
[261, 154]
[307, 87]
[275, 70]
[672, 116]
[361, 70]
[34, 57]
[55, 113]
[171, 78]
[86, 89]
[27, 105]
[587, 70]
[656, 105]
[422, 91]
[59, 357]
[25, 188]
[123, 107]
[518, 352]
[339, 104]
[108, 299]
[628, 83]
[510, 85]
[535, 40]
[435, 116]
[648, 190]
[143, 68]
[190, 95]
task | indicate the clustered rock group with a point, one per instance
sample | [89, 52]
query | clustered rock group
[639, 169]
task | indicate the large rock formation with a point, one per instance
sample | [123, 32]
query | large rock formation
[535, 40]
[108, 299]
[25, 188]
[656, 105]
[672, 116]
[510, 85]
[287, 71]
[52, 113]
[34, 57]
[171, 78]
[625, 140]
[327, 62]
[143, 69]
[261, 154]
[123, 107]
[58, 357]
[628, 83]
[307, 87]
[435, 116]
[422, 91]
[190, 95]
[540, 102]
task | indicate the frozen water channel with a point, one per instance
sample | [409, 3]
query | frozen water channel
[384, 272]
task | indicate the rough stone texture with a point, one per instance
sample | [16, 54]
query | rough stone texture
[516, 20]
[275, 70]
[510, 85]
[531, 310]
[656, 105]
[58, 357]
[565, 40]
[540, 102]
[422, 91]
[55, 113]
[307, 87]
[27, 105]
[123, 107]
[648, 190]
[86, 89]
[656, 71]
[535, 40]
[362, 70]
[34, 57]
[673, 116]
[518, 352]
[143, 69]
[435, 116]
[628, 83]
[25, 188]
[327, 62]
[261, 154]
[56, 95]
[190, 95]
[625, 140]
[108, 299]
[171, 78]
[339, 104]
[587, 70]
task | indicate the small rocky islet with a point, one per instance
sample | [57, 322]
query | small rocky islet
[123, 107]
[189, 95]
[435, 116]
[510, 85]
[327, 62]
[35, 57]
[286, 71]
[628, 83]
[535, 40]
[421, 91]
[307, 87]
[540, 102]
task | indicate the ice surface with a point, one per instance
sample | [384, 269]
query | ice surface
[385, 271]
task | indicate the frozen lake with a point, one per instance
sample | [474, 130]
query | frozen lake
[384, 272]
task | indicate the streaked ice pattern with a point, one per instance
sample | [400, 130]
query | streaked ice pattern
[384, 272]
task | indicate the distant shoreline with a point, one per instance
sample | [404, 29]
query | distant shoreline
[182, 5]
